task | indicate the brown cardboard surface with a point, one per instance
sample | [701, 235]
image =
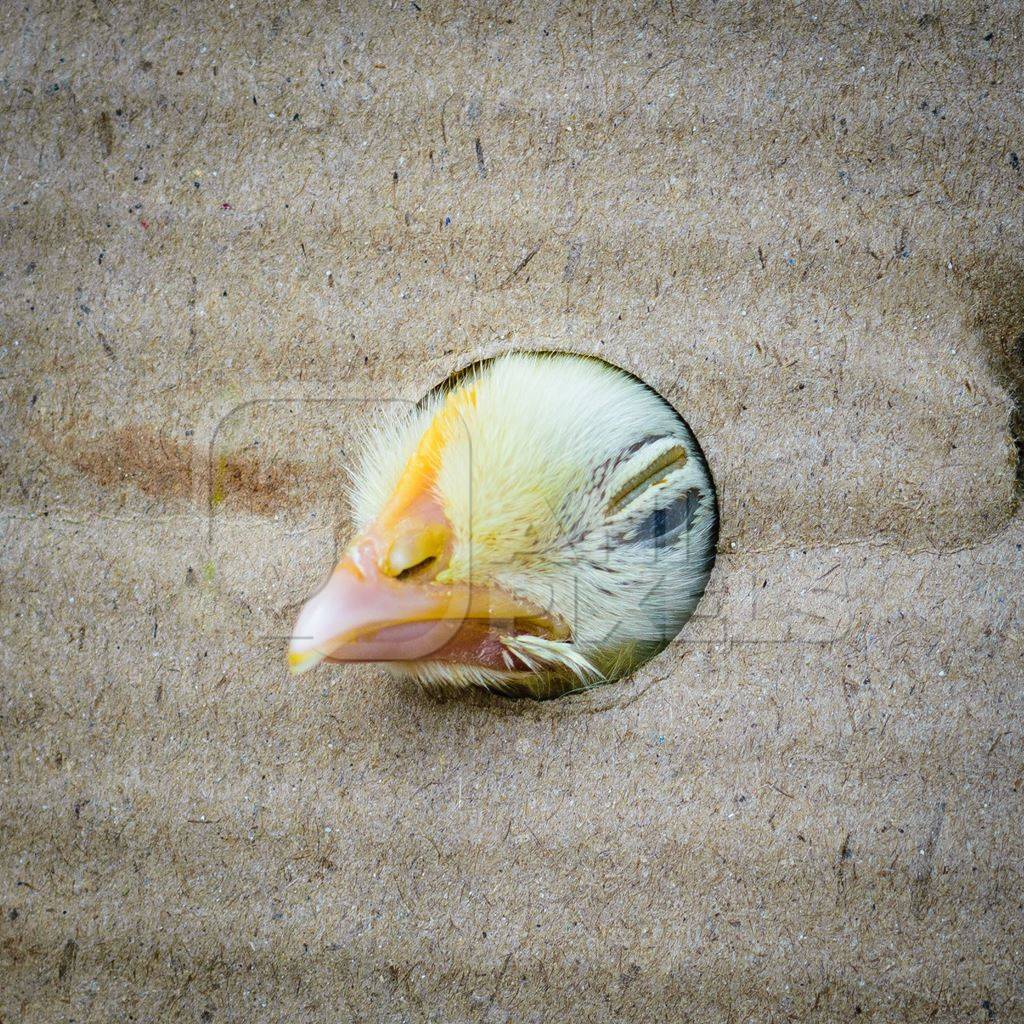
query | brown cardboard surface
[230, 233]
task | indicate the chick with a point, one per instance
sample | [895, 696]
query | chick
[540, 523]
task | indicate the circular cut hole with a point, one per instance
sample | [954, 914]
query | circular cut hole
[568, 521]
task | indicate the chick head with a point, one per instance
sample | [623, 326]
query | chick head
[539, 523]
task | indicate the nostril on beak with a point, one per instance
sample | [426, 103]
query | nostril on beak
[417, 569]
[412, 550]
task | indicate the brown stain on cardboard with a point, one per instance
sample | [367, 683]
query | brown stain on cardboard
[998, 284]
[161, 467]
[150, 462]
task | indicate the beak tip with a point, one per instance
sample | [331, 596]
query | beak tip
[302, 661]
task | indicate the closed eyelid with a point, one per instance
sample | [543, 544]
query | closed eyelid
[647, 468]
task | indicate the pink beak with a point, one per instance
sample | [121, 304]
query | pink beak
[384, 602]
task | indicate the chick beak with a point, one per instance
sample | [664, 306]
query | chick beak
[389, 599]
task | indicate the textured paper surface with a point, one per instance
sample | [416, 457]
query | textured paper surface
[228, 234]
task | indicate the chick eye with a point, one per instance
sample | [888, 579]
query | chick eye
[663, 524]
